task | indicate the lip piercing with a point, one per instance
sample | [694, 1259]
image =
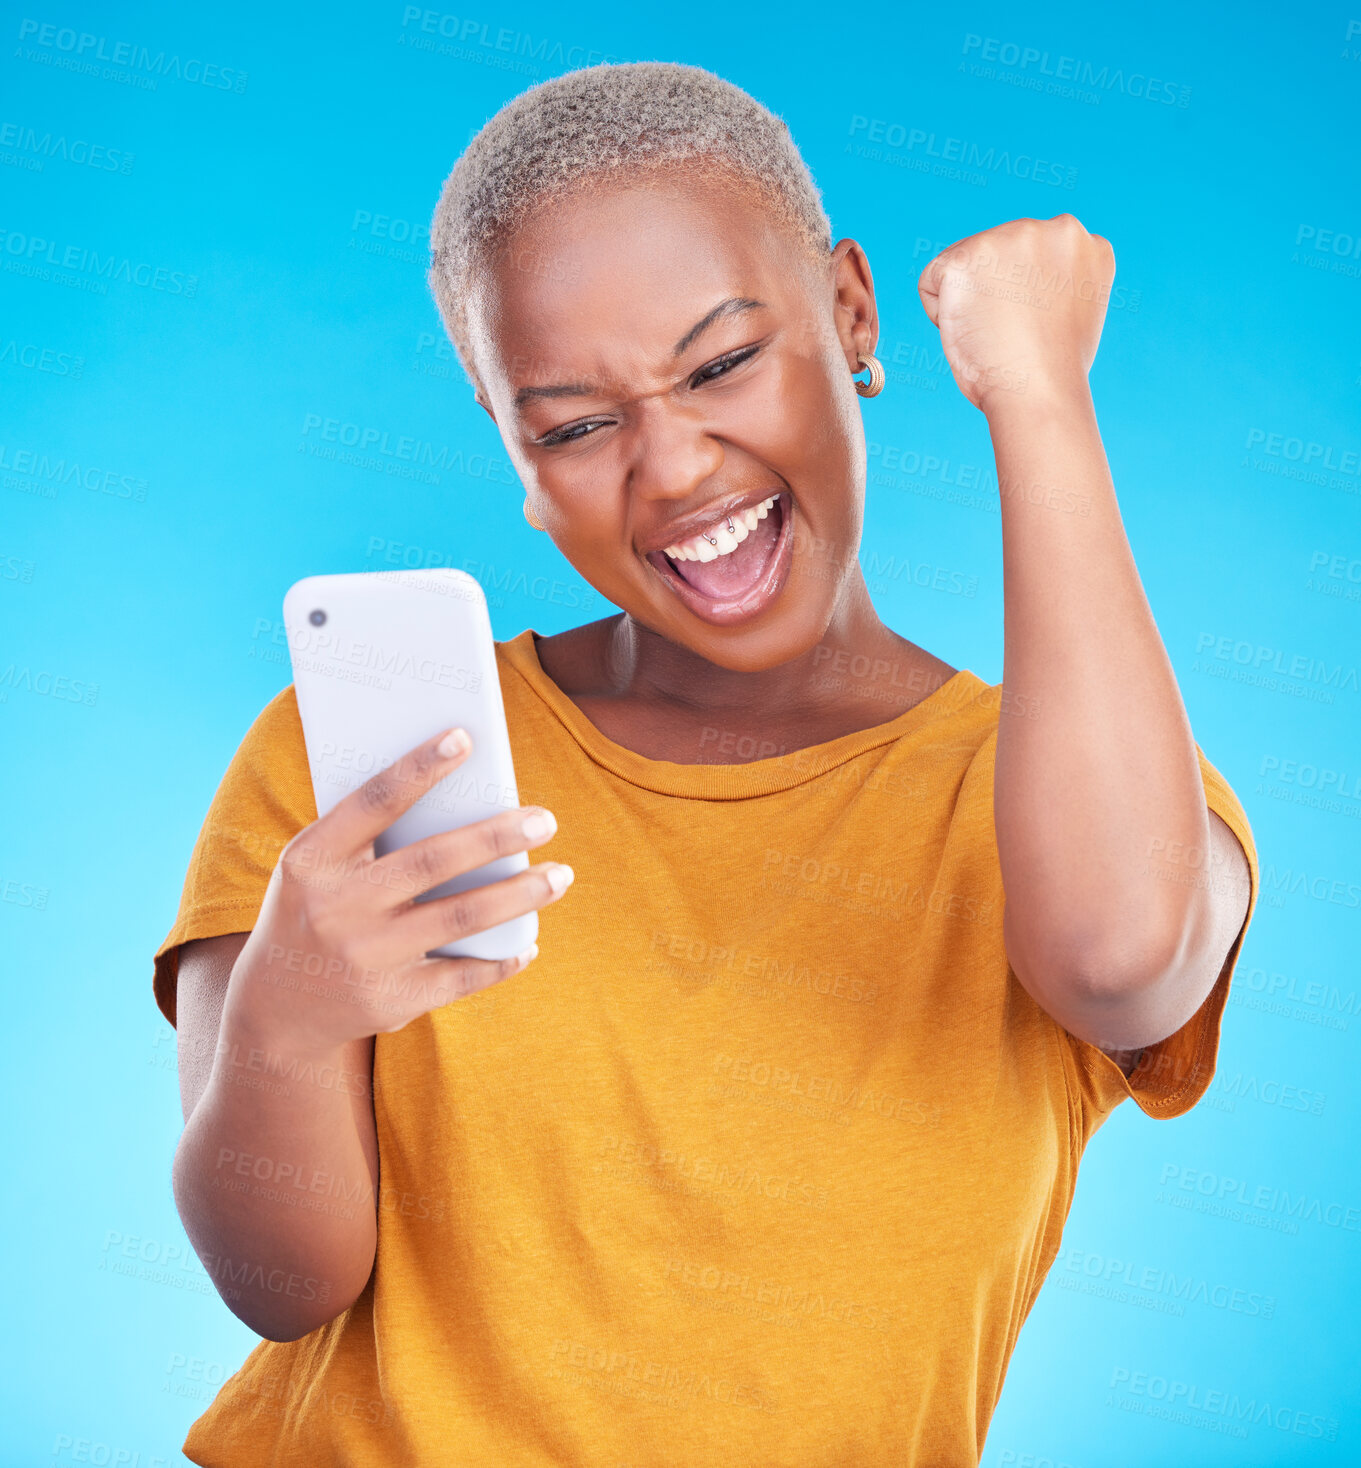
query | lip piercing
[712, 539]
[732, 529]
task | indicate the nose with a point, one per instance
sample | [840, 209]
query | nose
[674, 451]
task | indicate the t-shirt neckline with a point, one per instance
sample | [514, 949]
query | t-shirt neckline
[735, 781]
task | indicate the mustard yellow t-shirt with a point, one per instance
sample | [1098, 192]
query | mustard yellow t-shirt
[762, 1161]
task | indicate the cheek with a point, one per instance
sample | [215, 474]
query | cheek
[789, 421]
[592, 527]
[818, 433]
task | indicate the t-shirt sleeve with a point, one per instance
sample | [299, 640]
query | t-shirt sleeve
[264, 800]
[1174, 1074]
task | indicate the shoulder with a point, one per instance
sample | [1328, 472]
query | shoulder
[279, 718]
[276, 732]
[269, 770]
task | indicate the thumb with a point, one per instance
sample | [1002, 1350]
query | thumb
[928, 288]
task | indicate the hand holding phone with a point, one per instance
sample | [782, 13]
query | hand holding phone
[383, 660]
[342, 948]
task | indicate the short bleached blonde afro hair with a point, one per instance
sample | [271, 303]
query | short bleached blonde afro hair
[573, 131]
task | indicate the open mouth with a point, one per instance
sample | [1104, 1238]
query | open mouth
[739, 585]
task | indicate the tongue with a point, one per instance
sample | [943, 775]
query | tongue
[729, 576]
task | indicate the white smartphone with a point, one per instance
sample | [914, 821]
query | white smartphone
[383, 660]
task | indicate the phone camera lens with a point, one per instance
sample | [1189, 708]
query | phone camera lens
[317, 618]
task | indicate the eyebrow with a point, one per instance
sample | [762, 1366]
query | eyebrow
[730, 307]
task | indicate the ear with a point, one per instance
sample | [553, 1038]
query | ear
[856, 314]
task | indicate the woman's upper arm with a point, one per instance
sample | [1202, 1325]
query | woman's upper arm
[205, 966]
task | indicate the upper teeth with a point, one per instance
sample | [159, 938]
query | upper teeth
[717, 539]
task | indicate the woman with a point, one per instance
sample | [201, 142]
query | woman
[766, 1157]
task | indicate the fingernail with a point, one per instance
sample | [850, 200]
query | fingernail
[454, 742]
[529, 955]
[559, 876]
[539, 823]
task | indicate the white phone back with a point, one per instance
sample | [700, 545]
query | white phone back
[397, 657]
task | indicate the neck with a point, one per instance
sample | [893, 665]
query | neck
[634, 663]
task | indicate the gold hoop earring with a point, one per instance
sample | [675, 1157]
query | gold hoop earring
[529, 515]
[875, 384]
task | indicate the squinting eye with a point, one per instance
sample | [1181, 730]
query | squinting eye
[570, 434]
[723, 365]
[719, 367]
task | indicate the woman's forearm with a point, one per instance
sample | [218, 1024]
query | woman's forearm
[273, 1182]
[1096, 767]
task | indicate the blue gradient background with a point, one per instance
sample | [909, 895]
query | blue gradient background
[164, 607]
